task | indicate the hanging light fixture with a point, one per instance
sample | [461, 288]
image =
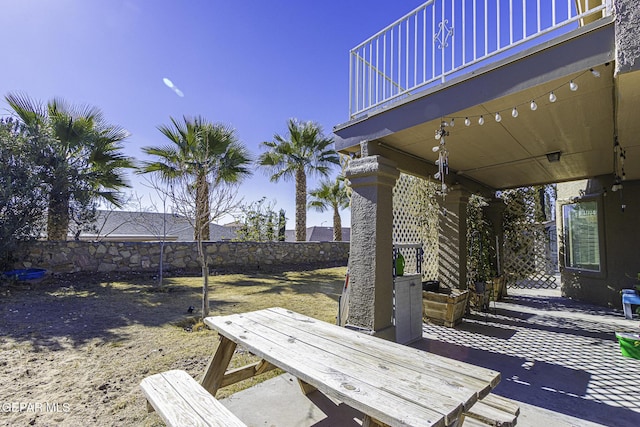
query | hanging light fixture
[533, 105]
[573, 86]
[452, 123]
[553, 157]
[467, 122]
[498, 117]
[595, 73]
[514, 112]
[552, 97]
[481, 121]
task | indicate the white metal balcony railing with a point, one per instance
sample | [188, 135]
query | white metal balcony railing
[446, 38]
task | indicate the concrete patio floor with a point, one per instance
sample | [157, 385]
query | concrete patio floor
[558, 358]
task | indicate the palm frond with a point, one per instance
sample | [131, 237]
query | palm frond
[32, 113]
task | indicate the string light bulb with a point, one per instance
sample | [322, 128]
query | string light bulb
[436, 149]
[573, 86]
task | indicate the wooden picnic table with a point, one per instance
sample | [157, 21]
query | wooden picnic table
[391, 384]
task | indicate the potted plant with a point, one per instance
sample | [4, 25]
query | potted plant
[481, 265]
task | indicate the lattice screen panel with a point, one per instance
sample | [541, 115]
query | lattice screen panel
[528, 258]
[415, 220]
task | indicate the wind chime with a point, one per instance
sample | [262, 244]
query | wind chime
[443, 157]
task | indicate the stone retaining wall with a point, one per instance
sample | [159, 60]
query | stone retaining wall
[76, 256]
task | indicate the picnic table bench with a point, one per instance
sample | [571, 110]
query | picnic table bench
[181, 401]
[391, 384]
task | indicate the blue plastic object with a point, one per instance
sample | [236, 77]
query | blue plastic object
[26, 273]
[630, 299]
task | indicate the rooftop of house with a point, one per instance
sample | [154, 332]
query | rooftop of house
[319, 234]
[149, 226]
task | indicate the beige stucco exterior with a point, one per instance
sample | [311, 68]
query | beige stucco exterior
[620, 234]
[604, 56]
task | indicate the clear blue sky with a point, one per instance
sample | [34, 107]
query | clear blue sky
[248, 64]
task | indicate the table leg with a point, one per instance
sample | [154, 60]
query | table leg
[459, 422]
[306, 388]
[218, 364]
[367, 421]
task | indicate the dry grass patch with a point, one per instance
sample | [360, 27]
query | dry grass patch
[88, 341]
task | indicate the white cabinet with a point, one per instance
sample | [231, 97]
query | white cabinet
[407, 307]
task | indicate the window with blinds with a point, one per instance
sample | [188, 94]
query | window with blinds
[582, 235]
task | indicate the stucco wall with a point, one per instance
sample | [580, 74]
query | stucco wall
[621, 233]
[627, 16]
[75, 256]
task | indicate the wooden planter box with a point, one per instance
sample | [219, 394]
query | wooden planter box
[444, 309]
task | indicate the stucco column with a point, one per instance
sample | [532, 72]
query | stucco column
[452, 238]
[627, 35]
[370, 259]
[495, 214]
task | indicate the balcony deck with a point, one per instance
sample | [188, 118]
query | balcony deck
[445, 39]
[509, 148]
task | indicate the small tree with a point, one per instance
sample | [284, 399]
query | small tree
[257, 222]
[201, 166]
[186, 200]
[481, 262]
[22, 197]
[154, 183]
[282, 226]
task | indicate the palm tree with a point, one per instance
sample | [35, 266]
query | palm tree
[205, 155]
[331, 195]
[305, 150]
[203, 158]
[80, 154]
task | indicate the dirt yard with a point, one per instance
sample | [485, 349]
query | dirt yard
[73, 349]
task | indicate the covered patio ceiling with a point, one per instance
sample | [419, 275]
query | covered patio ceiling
[582, 125]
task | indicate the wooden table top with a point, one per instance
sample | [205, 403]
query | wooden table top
[393, 383]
